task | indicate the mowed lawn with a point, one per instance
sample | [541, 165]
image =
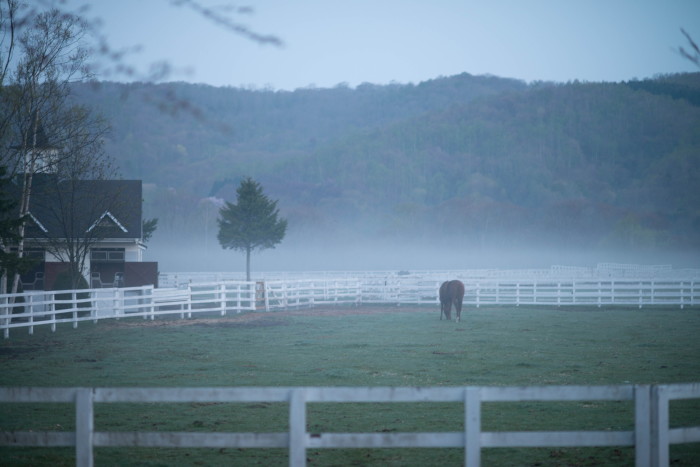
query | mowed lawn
[365, 346]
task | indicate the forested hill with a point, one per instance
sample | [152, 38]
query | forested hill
[471, 157]
[235, 131]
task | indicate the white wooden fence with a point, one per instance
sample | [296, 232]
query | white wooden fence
[650, 437]
[602, 271]
[52, 307]
[73, 306]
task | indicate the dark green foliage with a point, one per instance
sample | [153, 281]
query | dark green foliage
[148, 228]
[466, 155]
[252, 223]
[677, 89]
[9, 223]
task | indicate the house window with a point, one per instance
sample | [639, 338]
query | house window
[108, 255]
[36, 255]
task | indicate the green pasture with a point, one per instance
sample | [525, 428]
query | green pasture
[392, 346]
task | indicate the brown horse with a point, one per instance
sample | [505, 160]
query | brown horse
[451, 292]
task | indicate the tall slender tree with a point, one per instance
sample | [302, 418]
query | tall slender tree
[9, 222]
[252, 223]
[42, 59]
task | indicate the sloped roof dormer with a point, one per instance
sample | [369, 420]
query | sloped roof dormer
[107, 220]
[37, 223]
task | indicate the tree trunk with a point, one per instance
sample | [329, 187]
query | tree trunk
[23, 211]
[26, 191]
[247, 264]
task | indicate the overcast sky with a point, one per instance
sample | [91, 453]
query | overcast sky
[327, 42]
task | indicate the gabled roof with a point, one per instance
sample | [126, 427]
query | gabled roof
[107, 215]
[118, 201]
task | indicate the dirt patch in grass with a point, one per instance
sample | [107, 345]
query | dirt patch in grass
[264, 319]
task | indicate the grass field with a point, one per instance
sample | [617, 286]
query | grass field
[391, 346]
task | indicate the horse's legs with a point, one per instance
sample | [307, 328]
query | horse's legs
[448, 311]
[458, 311]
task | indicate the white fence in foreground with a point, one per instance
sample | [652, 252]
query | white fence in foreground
[52, 307]
[650, 437]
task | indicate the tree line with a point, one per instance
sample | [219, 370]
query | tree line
[469, 155]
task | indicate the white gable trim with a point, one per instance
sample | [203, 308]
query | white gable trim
[114, 219]
[38, 224]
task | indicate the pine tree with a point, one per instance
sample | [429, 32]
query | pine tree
[252, 223]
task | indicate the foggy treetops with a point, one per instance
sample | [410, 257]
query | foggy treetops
[472, 158]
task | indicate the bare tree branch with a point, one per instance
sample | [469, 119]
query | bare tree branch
[694, 54]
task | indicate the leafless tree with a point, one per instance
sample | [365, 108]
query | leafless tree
[42, 131]
[75, 195]
[693, 54]
[43, 50]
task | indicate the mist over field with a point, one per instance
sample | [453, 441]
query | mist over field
[396, 255]
[457, 172]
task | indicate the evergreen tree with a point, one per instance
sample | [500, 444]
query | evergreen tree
[10, 262]
[252, 223]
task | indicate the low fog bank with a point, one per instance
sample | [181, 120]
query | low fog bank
[387, 255]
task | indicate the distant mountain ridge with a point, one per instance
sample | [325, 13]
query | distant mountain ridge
[468, 157]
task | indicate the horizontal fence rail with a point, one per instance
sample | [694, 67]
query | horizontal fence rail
[601, 271]
[554, 287]
[650, 437]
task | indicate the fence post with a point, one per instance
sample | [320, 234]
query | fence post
[285, 297]
[189, 300]
[312, 299]
[74, 297]
[84, 427]
[472, 427]
[29, 304]
[682, 294]
[152, 309]
[222, 296]
[52, 310]
[642, 425]
[93, 306]
[534, 292]
[558, 294]
[659, 427]
[7, 316]
[297, 428]
[115, 304]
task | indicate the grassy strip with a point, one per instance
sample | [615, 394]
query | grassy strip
[403, 347]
